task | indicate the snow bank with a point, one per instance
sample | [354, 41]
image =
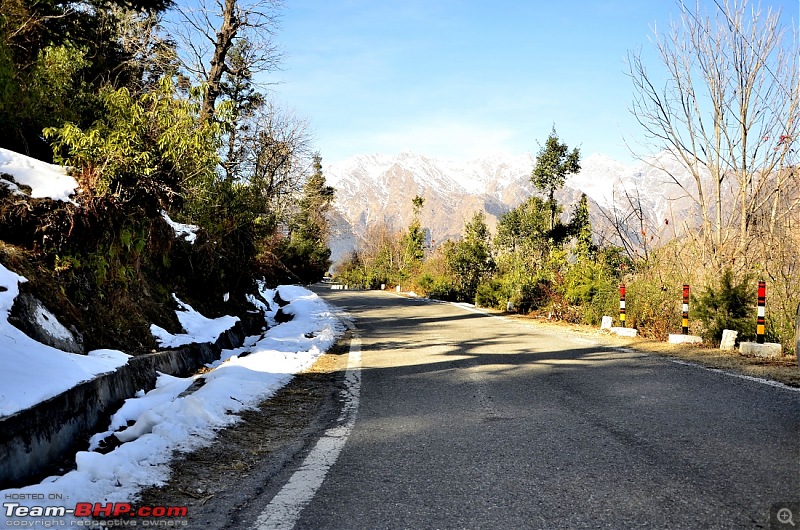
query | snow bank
[164, 420]
[45, 180]
[197, 327]
[31, 372]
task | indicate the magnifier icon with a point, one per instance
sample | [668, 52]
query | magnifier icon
[785, 516]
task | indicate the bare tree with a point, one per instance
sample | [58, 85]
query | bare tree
[630, 225]
[209, 31]
[276, 156]
[728, 112]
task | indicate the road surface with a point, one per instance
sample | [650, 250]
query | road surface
[473, 421]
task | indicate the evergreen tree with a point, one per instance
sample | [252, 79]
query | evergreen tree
[237, 88]
[553, 163]
[307, 254]
[414, 239]
[470, 260]
[580, 227]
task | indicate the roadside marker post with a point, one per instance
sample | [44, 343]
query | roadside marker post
[762, 297]
[761, 348]
[622, 305]
[797, 336]
[684, 337]
[685, 315]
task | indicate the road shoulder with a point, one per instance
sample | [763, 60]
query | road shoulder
[246, 464]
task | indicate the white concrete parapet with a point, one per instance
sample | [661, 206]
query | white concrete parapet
[675, 338]
[624, 332]
[767, 349]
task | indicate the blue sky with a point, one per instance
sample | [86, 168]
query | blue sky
[463, 78]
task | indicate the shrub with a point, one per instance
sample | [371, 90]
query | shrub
[492, 293]
[590, 286]
[727, 306]
[442, 289]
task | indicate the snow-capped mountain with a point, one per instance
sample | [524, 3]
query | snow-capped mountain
[378, 189]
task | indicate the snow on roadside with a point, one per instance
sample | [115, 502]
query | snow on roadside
[165, 420]
[45, 180]
[197, 327]
[31, 372]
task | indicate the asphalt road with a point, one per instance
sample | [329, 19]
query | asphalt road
[472, 421]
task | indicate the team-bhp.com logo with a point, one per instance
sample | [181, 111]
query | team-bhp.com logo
[111, 514]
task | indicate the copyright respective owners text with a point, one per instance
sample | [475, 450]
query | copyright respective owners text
[785, 515]
[27, 510]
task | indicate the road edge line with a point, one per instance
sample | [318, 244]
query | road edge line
[284, 509]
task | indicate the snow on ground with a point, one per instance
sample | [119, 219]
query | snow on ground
[197, 327]
[45, 180]
[165, 420]
[187, 232]
[31, 372]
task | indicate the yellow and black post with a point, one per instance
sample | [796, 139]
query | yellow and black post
[622, 305]
[762, 298]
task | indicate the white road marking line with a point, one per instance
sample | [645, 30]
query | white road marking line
[284, 509]
[767, 382]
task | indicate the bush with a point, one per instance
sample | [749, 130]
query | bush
[442, 289]
[492, 293]
[653, 307]
[590, 286]
[728, 306]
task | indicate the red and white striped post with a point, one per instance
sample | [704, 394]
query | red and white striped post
[762, 297]
[685, 315]
[622, 305]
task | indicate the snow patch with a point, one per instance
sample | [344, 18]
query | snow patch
[197, 327]
[165, 421]
[187, 232]
[31, 372]
[45, 180]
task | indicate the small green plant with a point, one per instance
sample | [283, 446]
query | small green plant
[65, 263]
[492, 293]
[727, 306]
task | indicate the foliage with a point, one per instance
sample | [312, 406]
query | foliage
[580, 227]
[592, 287]
[152, 141]
[306, 253]
[470, 260]
[553, 163]
[54, 57]
[728, 305]
[413, 242]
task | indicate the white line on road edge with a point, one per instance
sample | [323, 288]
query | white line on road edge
[767, 382]
[284, 509]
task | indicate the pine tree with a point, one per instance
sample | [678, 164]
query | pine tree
[414, 239]
[553, 163]
[580, 227]
[307, 254]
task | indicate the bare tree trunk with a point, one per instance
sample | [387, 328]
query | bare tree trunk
[208, 33]
[224, 41]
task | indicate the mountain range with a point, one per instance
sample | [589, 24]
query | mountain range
[378, 189]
